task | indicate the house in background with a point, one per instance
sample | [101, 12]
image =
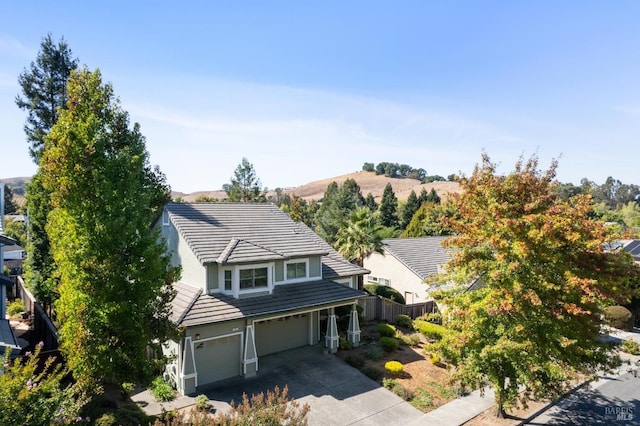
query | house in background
[633, 248]
[253, 283]
[7, 337]
[405, 264]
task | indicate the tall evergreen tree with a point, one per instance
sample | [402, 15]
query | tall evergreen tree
[44, 94]
[10, 205]
[370, 202]
[433, 197]
[338, 202]
[112, 264]
[410, 209]
[388, 207]
[245, 185]
[44, 91]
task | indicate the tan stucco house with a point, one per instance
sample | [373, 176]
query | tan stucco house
[253, 283]
[405, 264]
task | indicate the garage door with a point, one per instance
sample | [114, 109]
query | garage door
[282, 334]
[218, 359]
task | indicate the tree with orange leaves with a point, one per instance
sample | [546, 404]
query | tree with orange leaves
[546, 275]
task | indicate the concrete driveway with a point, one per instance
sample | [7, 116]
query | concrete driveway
[337, 393]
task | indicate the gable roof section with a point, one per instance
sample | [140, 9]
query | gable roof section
[421, 255]
[207, 308]
[252, 232]
[262, 231]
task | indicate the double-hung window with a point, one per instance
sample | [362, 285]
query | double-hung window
[254, 278]
[296, 270]
[228, 280]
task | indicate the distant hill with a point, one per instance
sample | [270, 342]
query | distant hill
[18, 187]
[369, 183]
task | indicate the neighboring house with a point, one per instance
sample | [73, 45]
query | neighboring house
[405, 264]
[13, 258]
[253, 283]
[633, 248]
[7, 338]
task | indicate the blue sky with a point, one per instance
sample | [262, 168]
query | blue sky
[309, 90]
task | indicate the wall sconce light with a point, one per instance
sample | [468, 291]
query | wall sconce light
[197, 336]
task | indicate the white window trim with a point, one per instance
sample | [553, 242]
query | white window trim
[165, 218]
[235, 279]
[296, 280]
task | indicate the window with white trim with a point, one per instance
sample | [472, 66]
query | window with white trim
[228, 280]
[254, 278]
[165, 218]
[384, 281]
[296, 270]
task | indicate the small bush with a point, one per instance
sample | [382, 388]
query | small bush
[15, 307]
[389, 344]
[386, 330]
[435, 358]
[345, 344]
[127, 388]
[435, 317]
[403, 392]
[393, 367]
[411, 339]
[385, 291]
[388, 383]
[355, 361]
[372, 373]
[429, 329]
[422, 400]
[619, 317]
[202, 402]
[375, 353]
[107, 419]
[162, 390]
[404, 321]
[631, 347]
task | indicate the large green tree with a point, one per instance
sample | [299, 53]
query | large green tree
[338, 202]
[44, 94]
[409, 209]
[245, 185]
[430, 220]
[112, 265]
[536, 321]
[388, 207]
[10, 205]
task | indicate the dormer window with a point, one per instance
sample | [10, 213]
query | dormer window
[296, 270]
[254, 278]
[228, 280]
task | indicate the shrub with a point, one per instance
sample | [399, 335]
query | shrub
[435, 358]
[127, 388]
[375, 352]
[404, 321]
[389, 344]
[429, 329]
[388, 383]
[202, 402]
[435, 317]
[372, 373]
[107, 419]
[411, 339]
[631, 347]
[386, 330]
[422, 400]
[403, 392]
[162, 390]
[619, 317]
[15, 307]
[393, 367]
[345, 344]
[385, 291]
[355, 361]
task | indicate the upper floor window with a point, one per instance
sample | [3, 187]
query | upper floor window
[228, 280]
[254, 278]
[165, 218]
[296, 270]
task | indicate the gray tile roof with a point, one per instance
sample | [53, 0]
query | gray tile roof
[191, 307]
[252, 232]
[633, 248]
[421, 255]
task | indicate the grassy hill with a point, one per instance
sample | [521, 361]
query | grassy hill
[369, 183]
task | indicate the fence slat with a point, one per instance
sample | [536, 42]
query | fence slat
[381, 309]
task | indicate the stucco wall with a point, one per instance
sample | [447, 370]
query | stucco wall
[402, 278]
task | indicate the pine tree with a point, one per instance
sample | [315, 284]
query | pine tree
[245, 185]
[388, 207]
[410, 209]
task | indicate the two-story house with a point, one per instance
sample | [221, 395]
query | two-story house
[253, 283]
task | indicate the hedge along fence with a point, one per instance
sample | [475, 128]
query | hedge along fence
[380, 309]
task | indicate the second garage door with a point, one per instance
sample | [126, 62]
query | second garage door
[282, 334]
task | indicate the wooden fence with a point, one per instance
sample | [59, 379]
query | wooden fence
[381, 309]
[43, 329]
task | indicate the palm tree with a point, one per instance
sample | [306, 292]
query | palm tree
[359, 237]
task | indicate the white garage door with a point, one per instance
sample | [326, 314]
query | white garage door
[218, 359]
[282, 334]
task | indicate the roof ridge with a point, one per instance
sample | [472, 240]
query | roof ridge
[189, 306]
[231, 245]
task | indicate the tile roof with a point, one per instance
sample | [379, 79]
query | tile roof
[191, 307]
[633, 248]
[252, 232]
[421, 255]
